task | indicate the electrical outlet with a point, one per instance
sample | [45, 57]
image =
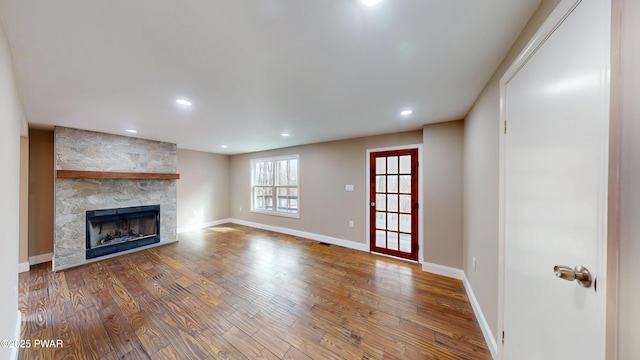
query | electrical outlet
[350, 223]
[348, 187]
[474, 263]
[241, 209]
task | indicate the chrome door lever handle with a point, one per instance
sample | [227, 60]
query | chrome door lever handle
[579, 274]
[564, 272]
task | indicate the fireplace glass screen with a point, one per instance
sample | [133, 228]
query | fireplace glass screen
[114, 230]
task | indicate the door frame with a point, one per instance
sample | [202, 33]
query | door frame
[608, 249]
[420, 198]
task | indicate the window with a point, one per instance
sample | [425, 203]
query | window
[275, 186]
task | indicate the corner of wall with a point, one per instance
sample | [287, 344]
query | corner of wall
[10, 124]
[23, 246]
[481, 178]
[459, 274]
[442, 171]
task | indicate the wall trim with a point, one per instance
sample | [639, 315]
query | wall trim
[482, 321]
[443, 270]
[188, 228]
[304, 234]
[64, 267]
[16, 335]
[39, 259]
[23, 267]
[459, 274]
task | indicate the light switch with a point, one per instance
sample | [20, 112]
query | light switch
[348, 187]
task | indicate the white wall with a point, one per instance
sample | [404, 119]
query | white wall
[325, 169]
[481, 151]
[10, 131]
[443, 193]
[24, 203]
[203, 188]
[629, 260]
[40, 199]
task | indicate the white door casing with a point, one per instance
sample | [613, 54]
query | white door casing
[420, 195]
[393, 189]
[554, 183]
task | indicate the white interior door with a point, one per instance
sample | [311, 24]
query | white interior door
[555, 190]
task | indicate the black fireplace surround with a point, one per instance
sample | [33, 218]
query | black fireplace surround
[114, 230]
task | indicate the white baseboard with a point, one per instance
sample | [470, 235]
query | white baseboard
[477, 310]
[16, 336]
[304, 234]
[482, 321]
[39, 259]
[203, 225]
[23, 267]
[443, 270]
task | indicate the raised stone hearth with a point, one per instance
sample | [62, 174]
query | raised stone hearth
[91, 151]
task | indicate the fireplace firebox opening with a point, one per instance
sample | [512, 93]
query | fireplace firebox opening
[114, 230]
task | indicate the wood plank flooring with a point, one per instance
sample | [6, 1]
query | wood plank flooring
[233, 292]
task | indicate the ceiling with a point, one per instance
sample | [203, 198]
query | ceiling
[319, 70]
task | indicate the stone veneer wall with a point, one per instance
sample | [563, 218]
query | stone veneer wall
[87, 150]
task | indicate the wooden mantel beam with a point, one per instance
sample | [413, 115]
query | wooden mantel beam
[78, 174]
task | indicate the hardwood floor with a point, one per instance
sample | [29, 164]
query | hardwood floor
[233, 292]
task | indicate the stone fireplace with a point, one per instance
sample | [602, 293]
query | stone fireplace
[80, 199]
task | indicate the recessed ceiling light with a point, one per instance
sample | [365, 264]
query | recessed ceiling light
[285, 134]
[406, 112]
[370, 2]
[184, 102]
[131, 131]
[224, 146]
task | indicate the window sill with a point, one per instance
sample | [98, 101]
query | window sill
[275, 213]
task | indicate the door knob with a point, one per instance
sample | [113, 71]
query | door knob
[372, 204]
[579, 274]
